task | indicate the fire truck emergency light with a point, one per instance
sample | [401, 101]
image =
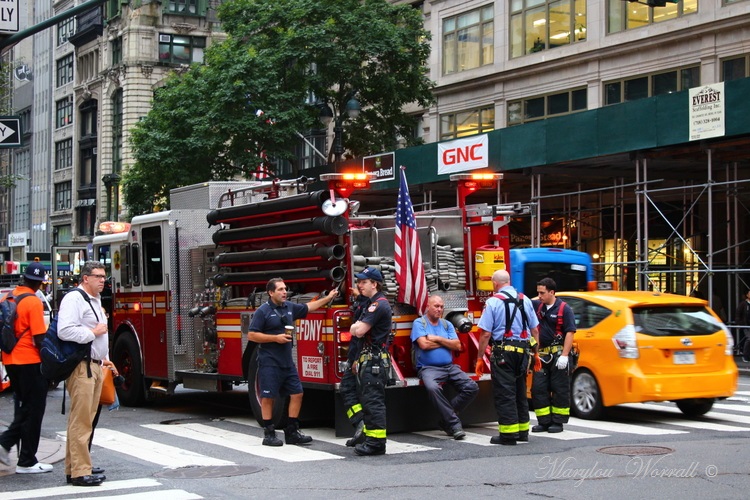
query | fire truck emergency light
[480, 180]
[345, 183]
[110, 227]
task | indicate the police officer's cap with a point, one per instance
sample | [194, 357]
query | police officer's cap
[370, 273]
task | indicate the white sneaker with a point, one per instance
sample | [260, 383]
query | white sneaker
[4, 456]
[38, 468]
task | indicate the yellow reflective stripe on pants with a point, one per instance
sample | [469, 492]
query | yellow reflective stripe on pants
[542, 412]
[523, 426]
[560, 411]
[353, 410]
[375, 433]
[508, 429]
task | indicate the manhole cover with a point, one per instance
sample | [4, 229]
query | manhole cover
[635, 451]
[208, 472]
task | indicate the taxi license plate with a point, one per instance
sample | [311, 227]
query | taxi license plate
[684, 358]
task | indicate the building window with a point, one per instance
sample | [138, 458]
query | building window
[88, 169]
[64, 110]
[735, 68]
[63, 195]
[178, 49]
[183, 6]
[113, 8]
[306, 155]
[117, 131]
[65, 29]
[475, 121]
[537, 25]
[26, 123]
[642, 86]
[64, 154]
[541, 107]
[88, 119]
[468, 40]
[65, 70]
[116, 47]
[630, 15]
[86, 220]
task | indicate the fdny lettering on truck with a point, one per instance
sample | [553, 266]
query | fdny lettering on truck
[310, 329]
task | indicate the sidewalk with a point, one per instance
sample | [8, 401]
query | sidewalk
[51, 451]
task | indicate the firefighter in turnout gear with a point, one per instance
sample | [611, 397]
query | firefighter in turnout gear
[509, 324]
[372, 364]
[348, 387]
[550, 388]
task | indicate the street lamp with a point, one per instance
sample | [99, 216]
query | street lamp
[351, 111]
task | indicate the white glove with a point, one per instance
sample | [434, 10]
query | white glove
[562, 362]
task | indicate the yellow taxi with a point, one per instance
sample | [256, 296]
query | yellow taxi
[646, 346]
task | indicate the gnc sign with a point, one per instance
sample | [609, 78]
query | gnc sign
[463, 154]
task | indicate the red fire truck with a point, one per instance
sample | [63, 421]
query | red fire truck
[185, 284]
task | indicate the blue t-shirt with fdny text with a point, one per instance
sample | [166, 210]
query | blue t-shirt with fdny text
[271, 319]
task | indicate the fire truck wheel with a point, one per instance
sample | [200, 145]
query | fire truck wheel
[126, 357]
[280, 405]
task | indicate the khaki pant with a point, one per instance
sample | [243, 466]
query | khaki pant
[84, 401]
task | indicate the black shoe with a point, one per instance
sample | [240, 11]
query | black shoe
[101, 477]
[97, 470]
[359, 435]
[270, 438]
[458, 433]
[86, 481]
[555, 428]
[292, 435]
[369, 449]
[540, 428]
[503, 440]
[523, 436]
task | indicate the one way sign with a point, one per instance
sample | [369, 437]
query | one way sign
[10, 131]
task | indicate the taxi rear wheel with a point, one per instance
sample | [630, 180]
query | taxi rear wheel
[586, 396]
[695, 407]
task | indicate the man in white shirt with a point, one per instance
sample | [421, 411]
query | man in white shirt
[82, 320]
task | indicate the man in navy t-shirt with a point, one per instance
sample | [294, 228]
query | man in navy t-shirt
[276, 371]
[435, 340]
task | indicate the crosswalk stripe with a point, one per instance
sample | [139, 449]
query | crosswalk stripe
[642, 430]
[699, 424]
[71, 490]
[567, 435]
[393, 447]
[740, 419]
[471, 437]
[742, 393]
[742, 408]
[157, 495]
[329, 436]
[170, 457]
[242, 442]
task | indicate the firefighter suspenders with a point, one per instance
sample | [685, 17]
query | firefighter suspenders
[559, 334]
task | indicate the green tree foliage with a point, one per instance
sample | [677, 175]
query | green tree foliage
[282, 57]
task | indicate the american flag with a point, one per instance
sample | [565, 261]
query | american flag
[412, 285]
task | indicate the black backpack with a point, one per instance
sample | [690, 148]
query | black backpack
[8, 307]
[60, 357]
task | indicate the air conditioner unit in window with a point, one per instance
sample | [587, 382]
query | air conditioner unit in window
[165, 38]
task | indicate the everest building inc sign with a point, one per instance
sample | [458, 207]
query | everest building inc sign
[8, 16]
[463, 154]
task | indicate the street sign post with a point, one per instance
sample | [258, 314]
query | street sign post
[8, 17]
[10, 130]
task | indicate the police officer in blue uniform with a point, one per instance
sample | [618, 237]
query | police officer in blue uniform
[372, 362]
[550, 388]
[509, 321]
[276, 370]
